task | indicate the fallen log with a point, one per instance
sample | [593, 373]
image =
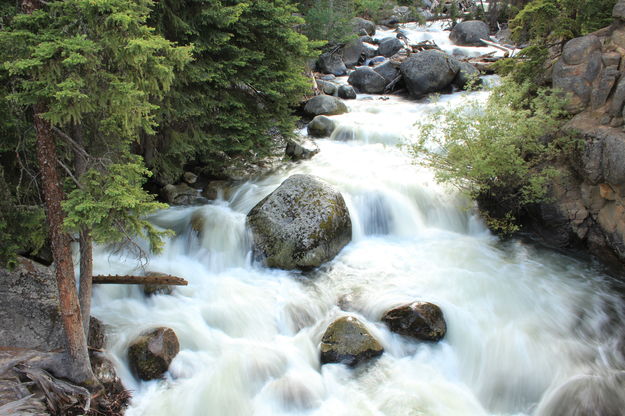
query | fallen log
[153, 278]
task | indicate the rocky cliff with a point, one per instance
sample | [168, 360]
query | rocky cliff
[588, 207]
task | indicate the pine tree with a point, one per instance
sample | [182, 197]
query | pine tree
[91, 70]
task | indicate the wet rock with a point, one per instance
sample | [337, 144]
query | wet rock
[331, 63]
[347, 92]
[181, 194]
[388, 70]
[96, 338]
[156, 289]
[326, 87]
[302, 224]
[217, 190]
[29, 310]
[151, 353]
[363, 26]
[469, 33]
[352, 53]
[389, 46]
[327, 77]
[370, 50]
[321, 126]
[300, 149]
[325, 105]
[348, 341]
[366, 80]
[428, 71]
[467, 73]
[189, 177]
[420, 320]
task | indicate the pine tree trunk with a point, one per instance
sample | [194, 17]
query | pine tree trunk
[76, 343]
[85, 241]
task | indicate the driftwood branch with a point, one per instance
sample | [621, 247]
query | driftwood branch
[158, 279]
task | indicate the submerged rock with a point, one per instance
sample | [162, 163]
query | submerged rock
[152, 289]
[420, 320]
[302, 224]
[325, 105]
[348, 341]
[151, 353]
[469, 33]
[429, 71]
[321, 126]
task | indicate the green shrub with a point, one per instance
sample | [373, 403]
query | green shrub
[497, 153]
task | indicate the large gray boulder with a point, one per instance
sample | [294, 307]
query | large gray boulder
[348, 341]
[428, 71]
[388, 70]
[325, 105]
[347, 92]
[469, 33]
[150, 354]
[420, 320]
[366, 80]
[302, 224]
[331, 63]
[29, 308]
[389, 46]
[321, 126]
[327, 87]
[363, 26]
[466, 75]
[352, 52]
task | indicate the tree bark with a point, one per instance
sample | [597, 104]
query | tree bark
[85, 241]
[76, 343]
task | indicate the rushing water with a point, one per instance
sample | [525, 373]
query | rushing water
[529, 330]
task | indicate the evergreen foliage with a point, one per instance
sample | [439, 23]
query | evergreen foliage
[235, 99]
[496, 153]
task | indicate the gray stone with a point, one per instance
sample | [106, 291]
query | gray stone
[189, 178]
[599, 95]
[327, 87]
[467, 74]
[428, 71]
[362, 25]
[611, 59]
[29, 310]
[388, 70]
[150, 354]
[331, 63]
[181, 194]
[217, 190]
[353, 52]
[347, 92]
[321, 126]
[420, 320]
[370, 50]
[366, 80]
[576, 51]
[348, 341]
[325, 105]
[301, 225]
[469, 33]
[300, 149]
[618, 98]
[389, 46]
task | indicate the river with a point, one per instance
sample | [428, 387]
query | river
[529, 330]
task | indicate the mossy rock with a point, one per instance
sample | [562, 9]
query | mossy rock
[420, 320]
[348, 341]
[151, 353]
[301, 225]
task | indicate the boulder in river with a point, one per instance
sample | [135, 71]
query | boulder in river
[348, 341]
[181, 194]
[467, 75]
[327, 87]
[420, 320]
[388, 70]
[325, 105]
[321, 126]
[428, 71]
[150, 354]
[366, 80]
[352, 52]
[469, 33]
[347, 92]
[331, 63]
[302, 224]
[300, 149]
[389, 46]
[363, 27]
